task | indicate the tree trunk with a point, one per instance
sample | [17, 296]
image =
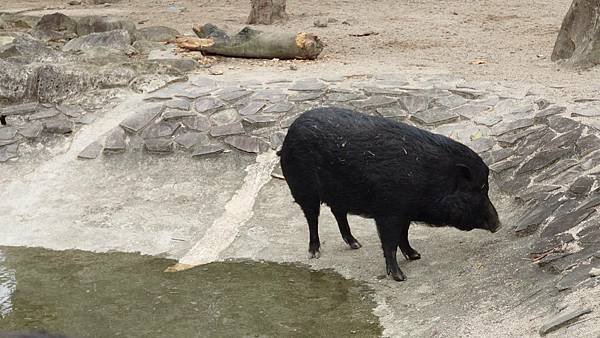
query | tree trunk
[578, 40]
[265, 12]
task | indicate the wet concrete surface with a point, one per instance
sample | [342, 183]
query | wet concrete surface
[83, 294]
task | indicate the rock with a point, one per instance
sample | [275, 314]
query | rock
[344, 97]
[566, 140]
[260, 119]
[159, 145]
[277, 139]
[71, 110]
[248, 144]
[227, 129]
[54, 27]
[544, 245]
[7, 133]
[512, 126]
[115, 140]
[171, 113]
[86, 119]
[501, 166]
[116, 39]
[435, 116]
[577, 40]
[161, 129]
[226, 116]
[178, 104]
[286, 123]
[141, 118]
[539, 213]
[32, 130]
[74, 2]
[58, 125]
[251, 108]
[8, 151]
[191, 139]
[20, 109]
[414, 104]
[308, 85]
[44, 114]
[594, 272]
[590, 111]
[272, 95]
[232, 94]
[199, 123]
[375, 101]
[587, 144]
[6, 40]
[306, 96]
[543, 159]
[392, 112]
[567, 221]
[92, 151]
[562, 124]
[488, 120]
[208, 150]
[98, 24]
[581, 186]
[157, 33]
[277, 172]
[481, 145]
[279, 108]
[554, 110]
[558, 320]
[320, 23]
[556, 169]
[145, 46]
[207, 104]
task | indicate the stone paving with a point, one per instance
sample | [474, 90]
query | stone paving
[543, 154]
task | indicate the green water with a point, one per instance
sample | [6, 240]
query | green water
[83, 294]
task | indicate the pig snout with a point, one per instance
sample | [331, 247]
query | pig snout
[493, 222]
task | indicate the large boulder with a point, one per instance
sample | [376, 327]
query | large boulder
[116, 39]
[578, 40]
[97, 24]
[23, 48]
[55, 26]
[156, 33]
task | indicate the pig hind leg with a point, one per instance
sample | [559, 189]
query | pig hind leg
[389, 234]
[342, 221]
[408, 252]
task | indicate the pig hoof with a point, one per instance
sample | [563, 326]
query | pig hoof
[398, 276]
[412, 256]
[314, 253]
[355, 245]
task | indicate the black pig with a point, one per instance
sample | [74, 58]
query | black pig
[381, 169]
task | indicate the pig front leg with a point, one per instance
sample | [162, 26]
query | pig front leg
[408, 252]
[389, 234]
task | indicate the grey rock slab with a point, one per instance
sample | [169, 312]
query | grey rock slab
[159, 145]
[181, 104]
[191, 139]
[92, 151]
[550, 111]
[482, 145]
[468, 93]
[138, 120]
[8, 152]
[435, 116]
[7, 142]
[207, 104]
[567, 221]
[344, 96]
[251, 108]
[20, 109]
[192, 92]
[501, 154]
[546, 244]
[562, 124]
[199, 123]
[226, 116]
[414, 104]
[511, 126]
[539, 213]
[157, 33]
[470, 111]
[501, 166]
[306, 96]
[587, 111]
[375, 101]
[587, 144]
[488, 120]
[260, 119]
[565, 140]
[248, 144]
[32, 130]
[451, 101]
[204, 82]
[71, 110]
[556, 169]
[277, 139]
[116, 39]
[227, 129]
[286, 123]
[279, 108]
[543, 159]
[160, 129]
[210, 149]
[44, 114]
[171, 113]
[96, 24]
[85, 119]
[392, 112]
[7, 133]
[581, 186]
[59, 125]
[308, 85]
[537, 190]
[231, 94]
[509, 139]
[115, 140]
[272, 95]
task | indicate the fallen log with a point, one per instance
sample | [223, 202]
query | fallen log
[251, 43]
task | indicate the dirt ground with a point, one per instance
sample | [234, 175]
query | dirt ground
[515, 38]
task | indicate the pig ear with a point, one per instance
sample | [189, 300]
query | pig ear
[464, 172]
